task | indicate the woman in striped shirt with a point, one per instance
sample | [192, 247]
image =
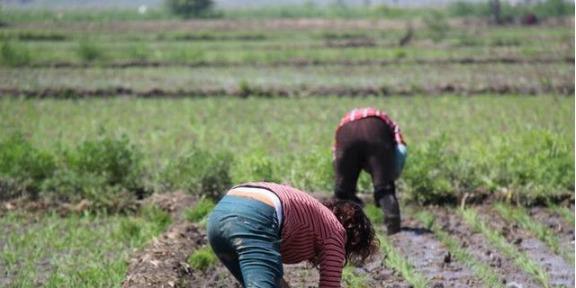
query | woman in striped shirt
[368, 139]
[258, 226]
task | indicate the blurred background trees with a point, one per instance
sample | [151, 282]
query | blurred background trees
[190, 8]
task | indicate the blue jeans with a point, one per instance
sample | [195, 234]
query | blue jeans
[245, 235]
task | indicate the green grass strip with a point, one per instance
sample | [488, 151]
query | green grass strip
[202, 258]
[565, 212]
[352, 279]
[200, 210]
[393, 259]
[482, 270]
[543, 233]
[520, 259]
[74, 251]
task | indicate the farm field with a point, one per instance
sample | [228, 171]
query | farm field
[114, 135]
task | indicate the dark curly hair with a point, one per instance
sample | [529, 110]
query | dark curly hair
[360, 236]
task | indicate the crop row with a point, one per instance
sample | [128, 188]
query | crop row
[18, 54]
[205, 147]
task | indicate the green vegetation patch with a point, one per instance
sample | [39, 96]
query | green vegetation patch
[13, 54]
[106, 171]
[200, 210]
[515, 148]
[202, 259]
[23, 167]
[353, 279]
[374, 213]
[200, 172]
[88, 250]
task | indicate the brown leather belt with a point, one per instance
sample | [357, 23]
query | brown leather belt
[249, 194]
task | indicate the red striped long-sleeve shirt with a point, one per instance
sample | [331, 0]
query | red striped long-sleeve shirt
[310, 232]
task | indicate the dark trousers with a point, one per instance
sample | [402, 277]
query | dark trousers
[366, 144]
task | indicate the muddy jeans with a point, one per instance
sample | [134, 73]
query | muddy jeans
[245, 235]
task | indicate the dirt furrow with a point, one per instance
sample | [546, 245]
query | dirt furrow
[560, 272]
[163, 262]
[309, 62]
[297, 91]
[556, 223]
[430, 258]
[214, 277]
[479, 247]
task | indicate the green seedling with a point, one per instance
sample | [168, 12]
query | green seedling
[500, 242]
[394, 260]
[482, 270]
[520, 215]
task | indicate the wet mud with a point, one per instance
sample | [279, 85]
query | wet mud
[561, 273]
[430, 258]
[557, 224]
[480, 248]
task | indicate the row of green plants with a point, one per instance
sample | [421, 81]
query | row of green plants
[16, 54]
[481, 270]
[498, 240]
[436, 28]
[206, 9]
[544, 233]
[537, 167]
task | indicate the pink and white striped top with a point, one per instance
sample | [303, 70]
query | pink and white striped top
[361, 113]
[310, 232]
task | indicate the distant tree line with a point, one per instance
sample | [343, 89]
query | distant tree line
[191, 8]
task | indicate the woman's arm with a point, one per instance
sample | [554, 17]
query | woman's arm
[332, 259]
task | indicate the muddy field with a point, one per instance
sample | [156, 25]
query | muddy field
[163, 262]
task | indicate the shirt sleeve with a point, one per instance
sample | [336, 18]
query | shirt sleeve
[332, 258]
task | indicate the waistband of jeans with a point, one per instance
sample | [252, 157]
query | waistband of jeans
[240, 192]
[260, 194]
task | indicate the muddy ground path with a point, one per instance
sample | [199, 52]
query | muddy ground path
[430, 257]
[560, 272]
[162, 263]
[477, 245]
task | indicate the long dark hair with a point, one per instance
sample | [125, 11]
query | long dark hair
[360, 235]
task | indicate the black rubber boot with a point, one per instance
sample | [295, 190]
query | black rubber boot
[391, 209]
[385, 198]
